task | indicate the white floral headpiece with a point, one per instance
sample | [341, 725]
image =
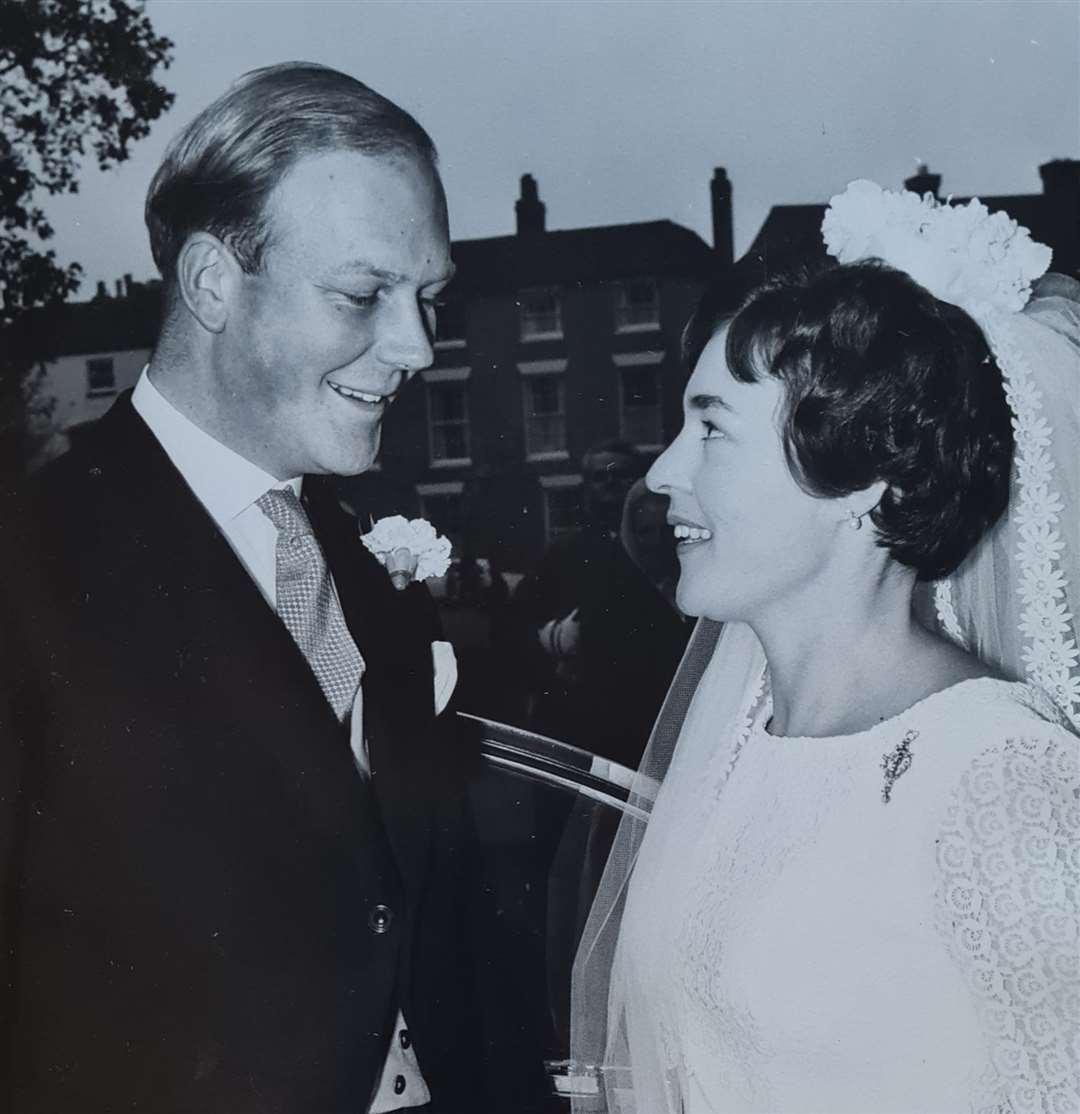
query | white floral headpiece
[963, 254]
[984, 263]
[409, 549]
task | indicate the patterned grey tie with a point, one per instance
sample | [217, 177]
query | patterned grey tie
[307, 604]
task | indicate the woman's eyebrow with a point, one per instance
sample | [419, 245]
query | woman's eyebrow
[707, 402]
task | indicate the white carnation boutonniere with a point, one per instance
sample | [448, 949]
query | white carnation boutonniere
[409, 549]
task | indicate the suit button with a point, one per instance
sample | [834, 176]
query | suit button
[399, 1084]
[405, 1039]
[380, 918]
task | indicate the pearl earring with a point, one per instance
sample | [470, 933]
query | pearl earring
[854, 520]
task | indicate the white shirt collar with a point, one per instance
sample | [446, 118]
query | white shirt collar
[224, 482]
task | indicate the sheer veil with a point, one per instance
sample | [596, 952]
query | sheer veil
[1013, 602]
[712, 696]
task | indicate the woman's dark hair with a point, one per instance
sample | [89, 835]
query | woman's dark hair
[883, 382]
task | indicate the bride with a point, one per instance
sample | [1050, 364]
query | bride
[857, 890]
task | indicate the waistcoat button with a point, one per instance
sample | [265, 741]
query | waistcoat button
[380, 918]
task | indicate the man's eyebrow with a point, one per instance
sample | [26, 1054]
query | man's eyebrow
[361, 265]
[707, 402]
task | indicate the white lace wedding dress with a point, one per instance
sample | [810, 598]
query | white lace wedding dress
[875, 922]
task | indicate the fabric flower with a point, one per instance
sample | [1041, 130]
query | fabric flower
[1032, 805]
[1041, 1027]
[1045, 618]
[981, 261]
[1066, 691]
[1042, 582]
[1040, 542]
[1056, 927]
[1006, 908]
[1040, 506]
[1051, 655]
[954, 855]
[1033, 430]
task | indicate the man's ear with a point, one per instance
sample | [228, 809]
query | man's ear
[207, 275]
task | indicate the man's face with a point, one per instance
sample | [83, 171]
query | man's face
[340, 316]
[654, 546]
[608, 477]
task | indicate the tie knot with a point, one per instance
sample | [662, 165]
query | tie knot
[286, 512]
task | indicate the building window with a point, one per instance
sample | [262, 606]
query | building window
[562, 505]
[541, 314]
[640, 414]
[545, 416]
[448, 421]
[450, 325]
[100, 376]
[441, 505]
[637, 305]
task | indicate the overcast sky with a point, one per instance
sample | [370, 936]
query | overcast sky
[621, 109]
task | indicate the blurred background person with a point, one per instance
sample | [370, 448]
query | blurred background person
[603, 636]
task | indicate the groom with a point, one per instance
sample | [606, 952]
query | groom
[231, 834]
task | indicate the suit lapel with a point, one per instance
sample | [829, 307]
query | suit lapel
[234, 655]
[392, 632]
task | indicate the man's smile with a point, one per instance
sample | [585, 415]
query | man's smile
[360, 396]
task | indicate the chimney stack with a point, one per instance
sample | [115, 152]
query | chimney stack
[1061, 206]
[101, 291]
[722, 222]
[119, 288]
[127, 285]
[529, 208]
[922, 181]
[1060, 176]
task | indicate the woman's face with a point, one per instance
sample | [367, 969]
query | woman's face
[748, 536]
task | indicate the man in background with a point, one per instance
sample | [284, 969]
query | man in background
[602, 634]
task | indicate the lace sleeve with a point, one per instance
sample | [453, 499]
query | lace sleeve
[1009, 866]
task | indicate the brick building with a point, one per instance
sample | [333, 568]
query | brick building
[95, 350]
[549, 342]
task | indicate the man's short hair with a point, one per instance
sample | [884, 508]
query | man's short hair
[219, 171]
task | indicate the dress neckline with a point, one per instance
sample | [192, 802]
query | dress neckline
[921, 707]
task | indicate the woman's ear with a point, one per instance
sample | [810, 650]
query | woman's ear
[858, 505]
[206, 276]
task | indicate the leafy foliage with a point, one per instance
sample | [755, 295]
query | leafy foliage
[76, 79]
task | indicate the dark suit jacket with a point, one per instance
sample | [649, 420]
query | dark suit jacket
[631, 641]
[192, 863]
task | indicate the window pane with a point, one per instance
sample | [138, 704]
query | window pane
[642, 420]
[642, 427]
[637, 303]
[545, 418]
[546, 434]
[450, 442]
[563, 510]
[449, 421]
[444, 513]
[641, 387]
[447, 402]
[450, 321]
[546, 394]
[541, 313]
[100, 374]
